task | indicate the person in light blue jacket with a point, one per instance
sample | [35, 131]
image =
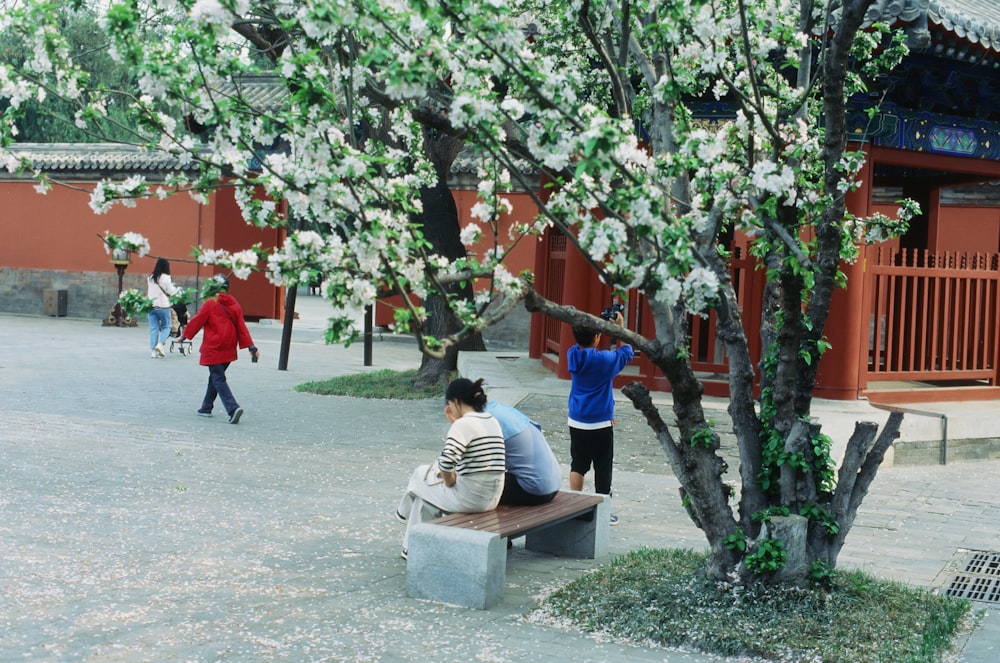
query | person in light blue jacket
[592, 408]
[533, 473]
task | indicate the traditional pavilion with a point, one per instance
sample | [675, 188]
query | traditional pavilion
[920, 317]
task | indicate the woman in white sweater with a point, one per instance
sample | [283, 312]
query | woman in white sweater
[160, 289]
[468, 476]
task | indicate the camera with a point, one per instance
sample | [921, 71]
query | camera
[611, 312]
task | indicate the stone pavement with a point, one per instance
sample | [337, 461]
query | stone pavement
[133, 530]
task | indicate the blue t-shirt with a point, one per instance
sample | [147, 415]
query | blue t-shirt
[591, 371]
[528, 456]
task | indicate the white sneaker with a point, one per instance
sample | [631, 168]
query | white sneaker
[154, 354]
[159, 350]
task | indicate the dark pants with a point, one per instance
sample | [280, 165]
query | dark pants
[217, 386]
[515, 495]
[595, 447]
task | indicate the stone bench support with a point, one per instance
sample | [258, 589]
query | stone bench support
[461, 559]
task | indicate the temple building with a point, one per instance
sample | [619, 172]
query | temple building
[920, 318]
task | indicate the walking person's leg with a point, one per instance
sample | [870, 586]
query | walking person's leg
[154, 332]
[217, 373]
[208, 402]
[164, 331]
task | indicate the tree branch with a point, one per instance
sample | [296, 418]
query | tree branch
[862, 460]
[536, 303]
[607, 61]
[786, 240]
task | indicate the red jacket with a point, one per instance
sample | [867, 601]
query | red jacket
[224, 326]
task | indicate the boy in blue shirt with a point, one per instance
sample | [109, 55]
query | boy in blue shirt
[592, 408]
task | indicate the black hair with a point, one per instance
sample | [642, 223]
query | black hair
[162, 267]
[468, 392]
[584, 337]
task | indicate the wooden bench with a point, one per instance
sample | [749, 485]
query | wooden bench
[461, 558]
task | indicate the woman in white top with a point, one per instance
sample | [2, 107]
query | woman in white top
[160, 289]
[468, 476]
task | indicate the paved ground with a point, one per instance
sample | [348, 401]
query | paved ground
[133, 530]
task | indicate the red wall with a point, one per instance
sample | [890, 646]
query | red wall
[258, 297]
[520, 258]
[59, 231]
[967, 229]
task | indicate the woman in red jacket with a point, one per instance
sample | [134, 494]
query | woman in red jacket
[225, 329]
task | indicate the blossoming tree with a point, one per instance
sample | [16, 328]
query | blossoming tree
[594, 94]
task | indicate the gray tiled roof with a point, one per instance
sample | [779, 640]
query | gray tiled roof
[96, 158]
[116, 158]
[262, 92]
[975, 21]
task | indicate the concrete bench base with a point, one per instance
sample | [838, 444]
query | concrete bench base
[461, 559]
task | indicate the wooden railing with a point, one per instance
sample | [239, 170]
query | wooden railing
[933, 316]
[708, 356]
[707, 352]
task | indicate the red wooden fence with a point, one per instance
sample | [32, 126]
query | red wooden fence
[934, 316]
[708, 357]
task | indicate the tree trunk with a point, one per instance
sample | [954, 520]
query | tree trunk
[440, 323]
[699, 470]
[439, 219]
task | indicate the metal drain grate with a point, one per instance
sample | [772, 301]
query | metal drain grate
[978, 579]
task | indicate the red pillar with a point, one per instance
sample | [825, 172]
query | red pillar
[536, 335]
[841, 375]
[933, 212]
[582, 290]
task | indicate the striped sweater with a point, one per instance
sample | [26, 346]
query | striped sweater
[474, 444]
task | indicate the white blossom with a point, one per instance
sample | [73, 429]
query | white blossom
[470, 234]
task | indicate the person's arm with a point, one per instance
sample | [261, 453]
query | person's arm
[449, 478]
[624, 350]
[454, 446]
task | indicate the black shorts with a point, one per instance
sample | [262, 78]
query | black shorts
[593, 447]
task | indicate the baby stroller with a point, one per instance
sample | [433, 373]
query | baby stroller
[178, 320]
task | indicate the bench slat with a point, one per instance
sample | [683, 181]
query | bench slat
[510, 521]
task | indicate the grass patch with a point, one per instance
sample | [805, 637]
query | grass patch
[662, 597]
[384, 383]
